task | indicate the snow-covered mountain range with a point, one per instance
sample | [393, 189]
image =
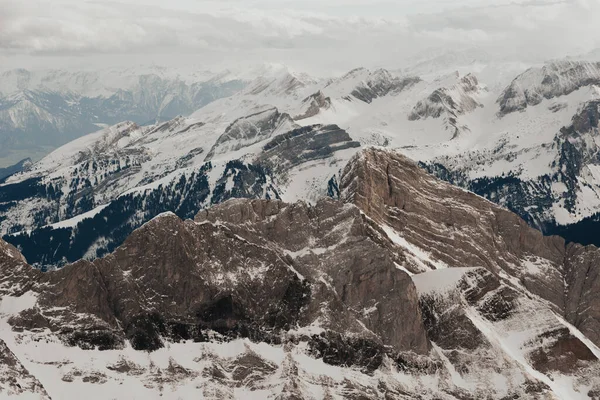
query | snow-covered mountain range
[42, 110]
[407, 287]
[528, 144]
[279, 243]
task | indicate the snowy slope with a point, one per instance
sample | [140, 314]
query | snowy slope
[516, 340]
[455, 124]
[489, 334]
[452, 123]
[45, 109]
[494, 295]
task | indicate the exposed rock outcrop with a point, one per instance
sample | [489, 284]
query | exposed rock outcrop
[461, 229]
[15, 380]
[244, 269]
[251, 129]
[366, 86]
[404, 281]
[312, 105]
[450, 103]
[308, 143]
[475, 318]
[381, 83]
[552, 80]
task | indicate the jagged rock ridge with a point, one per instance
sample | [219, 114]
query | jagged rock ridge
[451, 102]
[84, 199]
[364, 286]
[48, 110]
[552, 80]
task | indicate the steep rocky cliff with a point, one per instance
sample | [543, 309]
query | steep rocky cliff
[461, 229]
[406, 287]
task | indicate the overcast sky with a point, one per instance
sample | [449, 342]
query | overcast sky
[308, 34]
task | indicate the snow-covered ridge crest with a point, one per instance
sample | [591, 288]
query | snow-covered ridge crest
[251, 129]
[467, 142]
[366, 85]
[451, 102]
[553, 80]
[266, 298]
[45, 109]
[142, 170]
[460, 98]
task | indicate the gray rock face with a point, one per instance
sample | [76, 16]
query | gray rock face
[461, 229]
[17, 277]
[391, 189]
[247, 268]
[454, 100]
[312, 105]
[15, 380]
[582, 303]
[378, 84]
[331, 282]
[552, 80]
[304, 144]
[450, 103]
[251, 129]
[333, 241]
[467, 315]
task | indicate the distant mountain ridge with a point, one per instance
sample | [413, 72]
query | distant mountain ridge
[406, 287]
[280, 243]
[13, 169]
[46, 110]
[293, 133]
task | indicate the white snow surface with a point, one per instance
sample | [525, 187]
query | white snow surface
[487, 145]
[519, 142]
[179, 370]
[439, 281]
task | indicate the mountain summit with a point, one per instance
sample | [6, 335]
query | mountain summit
[407, 287]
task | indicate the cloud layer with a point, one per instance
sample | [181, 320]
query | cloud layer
[327, 33]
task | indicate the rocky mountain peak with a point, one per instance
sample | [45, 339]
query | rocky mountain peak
[10, 251]
[251, 129]
[588, 119]
[402, 280]
[244, 268]
[424, 211]
[552, 80]
[450, 103]
[469, 82]
[366, 85]
[312, 105]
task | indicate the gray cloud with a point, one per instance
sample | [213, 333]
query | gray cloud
[329, 32]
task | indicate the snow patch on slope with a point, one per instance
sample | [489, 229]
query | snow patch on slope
[440, 281]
